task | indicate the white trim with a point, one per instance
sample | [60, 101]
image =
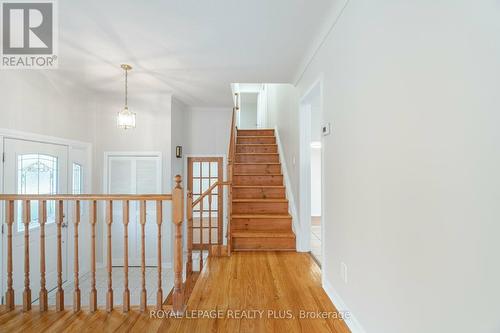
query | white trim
[21, 135]
[289, 193]
[305, 169]
[351, 320]
[305, 175]
[320, 39]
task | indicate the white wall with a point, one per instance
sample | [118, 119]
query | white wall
[282, 111]
[316, 182]
[411, 168]
[180, 135]
[32, 101]
[209, 130]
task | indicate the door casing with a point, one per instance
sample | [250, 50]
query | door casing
[21, 135]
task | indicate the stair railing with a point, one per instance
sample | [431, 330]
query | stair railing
[230, 169]
[75, 202]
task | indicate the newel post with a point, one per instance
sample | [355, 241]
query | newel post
[177, 218]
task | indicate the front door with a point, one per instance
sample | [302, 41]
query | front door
[36, 168]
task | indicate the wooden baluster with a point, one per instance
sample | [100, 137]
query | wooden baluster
[229, 209]
[189, 264]
[59, 222]
[142, 221]
[26, 221]
[210, 219]
[109, 221]
[159, 218]
[42, 217]
[209, 208]
[126, 292]
[220, 210]
[76, 292]
[93, 290]
[201, 234]
[177, 217]
[9, 219]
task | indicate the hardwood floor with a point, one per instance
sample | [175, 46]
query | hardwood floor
[279, 284]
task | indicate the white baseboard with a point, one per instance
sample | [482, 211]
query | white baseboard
[292, 208]
[341, 306]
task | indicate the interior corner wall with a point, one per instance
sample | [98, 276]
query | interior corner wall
[411, 167]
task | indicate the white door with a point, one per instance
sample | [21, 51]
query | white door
[134, 175]
[35, 168]
[79, 181]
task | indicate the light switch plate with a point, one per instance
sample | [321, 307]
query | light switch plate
[325, 129]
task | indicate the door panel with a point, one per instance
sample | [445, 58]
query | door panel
[36, 168]
[134, 175]
[202, 173]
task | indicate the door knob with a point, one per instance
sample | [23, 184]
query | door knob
[64, 225]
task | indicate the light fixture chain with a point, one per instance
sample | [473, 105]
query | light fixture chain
[126, 87]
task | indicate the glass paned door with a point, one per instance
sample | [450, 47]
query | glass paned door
[36, 168]
[203, 172]
[37, 174]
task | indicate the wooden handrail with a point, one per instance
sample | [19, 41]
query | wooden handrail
[208, 191]
[73, 197]
[230, 168]
[61, 202]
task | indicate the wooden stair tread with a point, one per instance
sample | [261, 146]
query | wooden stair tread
[261, 234]
[261, 216]
[256, 129]
[257, 163]
[259, 186]
[261, 200]
[258, 174]
[257, 144]
[258, 154]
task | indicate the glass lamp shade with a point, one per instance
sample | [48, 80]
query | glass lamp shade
[126, 119]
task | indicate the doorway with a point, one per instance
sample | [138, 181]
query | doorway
[203, 172]
[32, 167]
[311, 173]
[248, 110]
[134, 174]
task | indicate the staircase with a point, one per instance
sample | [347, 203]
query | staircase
[260, 219]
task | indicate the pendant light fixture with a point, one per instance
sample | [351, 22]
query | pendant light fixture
[126, 119]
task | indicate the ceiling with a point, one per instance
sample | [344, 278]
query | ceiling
[193, 49]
